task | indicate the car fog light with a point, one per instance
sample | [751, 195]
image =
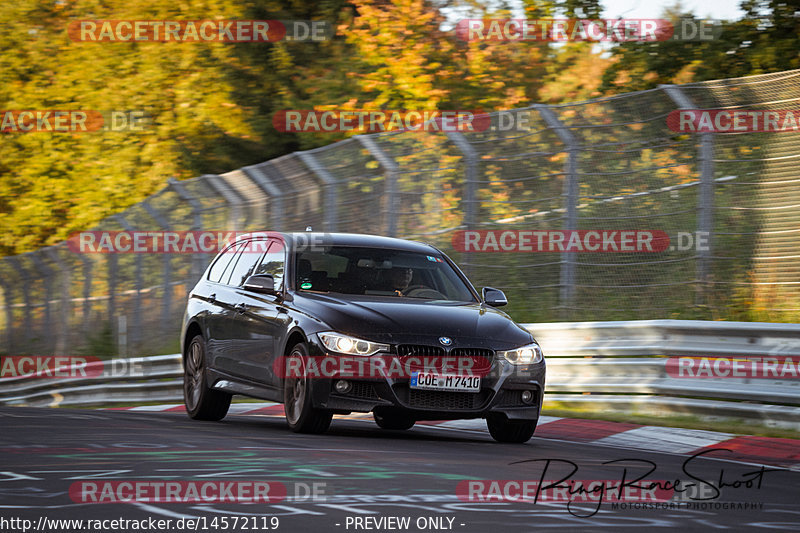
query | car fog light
[527, 396]
[343, 386]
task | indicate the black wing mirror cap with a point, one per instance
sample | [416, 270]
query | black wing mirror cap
[261, 283]
[494, 297]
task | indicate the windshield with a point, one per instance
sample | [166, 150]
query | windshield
[379, 272]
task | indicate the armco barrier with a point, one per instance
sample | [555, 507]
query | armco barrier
[611, 366]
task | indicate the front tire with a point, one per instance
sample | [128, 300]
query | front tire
[392, 420]
[202, 402]
[301, 416]
[513, 431]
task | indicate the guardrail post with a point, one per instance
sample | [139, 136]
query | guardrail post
[567, 279]
[260, 177]
[329, 186]
[705, 200]
[470, 185]
[390, 167]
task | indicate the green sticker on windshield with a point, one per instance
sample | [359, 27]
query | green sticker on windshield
[305, 285]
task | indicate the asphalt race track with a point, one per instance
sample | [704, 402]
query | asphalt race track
[362, 474]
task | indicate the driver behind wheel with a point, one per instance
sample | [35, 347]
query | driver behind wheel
[400, 279]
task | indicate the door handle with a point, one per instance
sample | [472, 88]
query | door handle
[212, 298]
[240, 308]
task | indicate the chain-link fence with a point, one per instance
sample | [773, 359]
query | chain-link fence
[607, 164]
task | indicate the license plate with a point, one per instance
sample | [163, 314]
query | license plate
[445, 382]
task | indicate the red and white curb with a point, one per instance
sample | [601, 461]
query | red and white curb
[761, 450]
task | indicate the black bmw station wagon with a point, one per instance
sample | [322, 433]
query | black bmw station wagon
[339, 323]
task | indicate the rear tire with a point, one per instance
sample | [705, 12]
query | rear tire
[202, 402]
[513, 431]
[301, 416]
[392, 420]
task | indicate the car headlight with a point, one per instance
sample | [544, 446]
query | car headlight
[524, 355]
[336, 342]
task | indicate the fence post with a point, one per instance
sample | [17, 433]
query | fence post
[470, 176]
[122, 336]
[8, 299]
[197, 223]
[567, 277]
[166, 299]
[137, 307]
[470, 186]
[705, 199]
[46, 275]
[26, 294]
[112, 289]
[261, 178]
[390, 167]
[329, 185]
[87, 293]
[230, 196]
[65, 309]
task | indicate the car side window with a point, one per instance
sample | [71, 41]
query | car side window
[247, 259]
[273, 263]
[222, 263]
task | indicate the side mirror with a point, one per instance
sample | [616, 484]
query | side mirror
[261, 283]
[494, 297]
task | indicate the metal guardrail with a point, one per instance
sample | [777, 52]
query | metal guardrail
[156, 378]
[667, 337]
[622, 367]
[590, 365]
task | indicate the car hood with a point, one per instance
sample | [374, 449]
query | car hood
[393, 320]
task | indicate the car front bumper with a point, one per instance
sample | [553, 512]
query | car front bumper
[501, 392]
